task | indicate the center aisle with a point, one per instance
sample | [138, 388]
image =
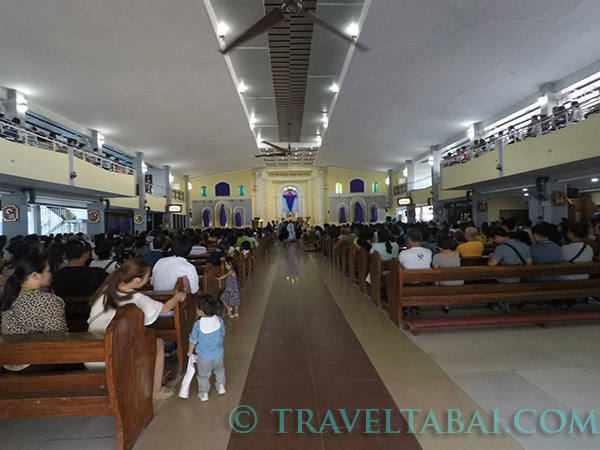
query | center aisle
[307, 357]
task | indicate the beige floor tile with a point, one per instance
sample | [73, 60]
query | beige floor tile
[576, 387]
[506, 391]
[540, 440]
[464, 360]
[463, 441]
[183, 441]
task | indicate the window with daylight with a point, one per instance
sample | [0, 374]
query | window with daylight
[203, 191]
[241, 190]
[375, 187]
[338, 188]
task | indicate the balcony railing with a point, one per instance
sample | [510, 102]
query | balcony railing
[527, 128]
[20, 135]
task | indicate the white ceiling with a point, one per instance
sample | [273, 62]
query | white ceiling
[436, 66]
[148, 75]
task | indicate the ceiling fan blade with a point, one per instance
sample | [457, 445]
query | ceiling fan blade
[281, 149]
[263, 25]
[271, 155]
[316, 19]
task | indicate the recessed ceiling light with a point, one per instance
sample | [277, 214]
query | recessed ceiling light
[526, 195]
[594, 180]
[222, 29]
[242, 88]
[335, 88]
[352, 30]
[524, 189]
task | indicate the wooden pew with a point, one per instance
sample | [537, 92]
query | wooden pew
[363, 263]
[378, 283]
[77, 311]
[199, 262]
[123, 390]
[352, 252]
[176, 328]
[480, 288]
[210, 284]
[344, 259]
[474, 261]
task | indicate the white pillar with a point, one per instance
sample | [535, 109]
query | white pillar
[15, 105]
[188, 202]
[410, 186]
[320, 198]
[260, 207]
[140, 179]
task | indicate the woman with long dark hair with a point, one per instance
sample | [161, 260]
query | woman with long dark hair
[25, 307]
[120, 289]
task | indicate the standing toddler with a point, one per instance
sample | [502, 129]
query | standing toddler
[207, 340]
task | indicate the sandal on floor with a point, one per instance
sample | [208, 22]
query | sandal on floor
[236, 315]
[163, 394]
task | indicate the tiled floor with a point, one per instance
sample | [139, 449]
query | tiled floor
[308, 357]
[308, 339]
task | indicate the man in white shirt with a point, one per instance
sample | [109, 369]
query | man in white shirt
[415, 257]
[168, 270]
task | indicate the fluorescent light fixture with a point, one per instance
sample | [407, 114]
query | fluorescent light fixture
[189, 186]
[524, 189]
[319, 141]
[144, 167]
[222, 30]
[526, 195]
[430, 160]
[594, 180]
[171, 178]
[543, 100]
[471, 132]
[242, 88]
[353, 30]
[405, 172]
[387, 181]
[22, 106]
[335, 88]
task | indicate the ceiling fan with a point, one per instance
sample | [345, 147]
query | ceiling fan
[282, 151]
[277, 15]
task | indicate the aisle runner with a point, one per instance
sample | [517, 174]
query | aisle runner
[308, 358]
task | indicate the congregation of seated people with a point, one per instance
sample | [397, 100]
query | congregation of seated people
[112, 269]
[509, 242]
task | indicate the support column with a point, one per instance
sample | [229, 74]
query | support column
[96, 224]
[16, 105]
[188, 202]
[168, 195]
[320, 198]
[410, 181]
[14, 205]
[139, 164]
[436, 178]
[260, 206]
[390, 190]
[97, 140]
[548, 90]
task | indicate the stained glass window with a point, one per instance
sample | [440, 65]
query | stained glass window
[338, 188]
[203, 191]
